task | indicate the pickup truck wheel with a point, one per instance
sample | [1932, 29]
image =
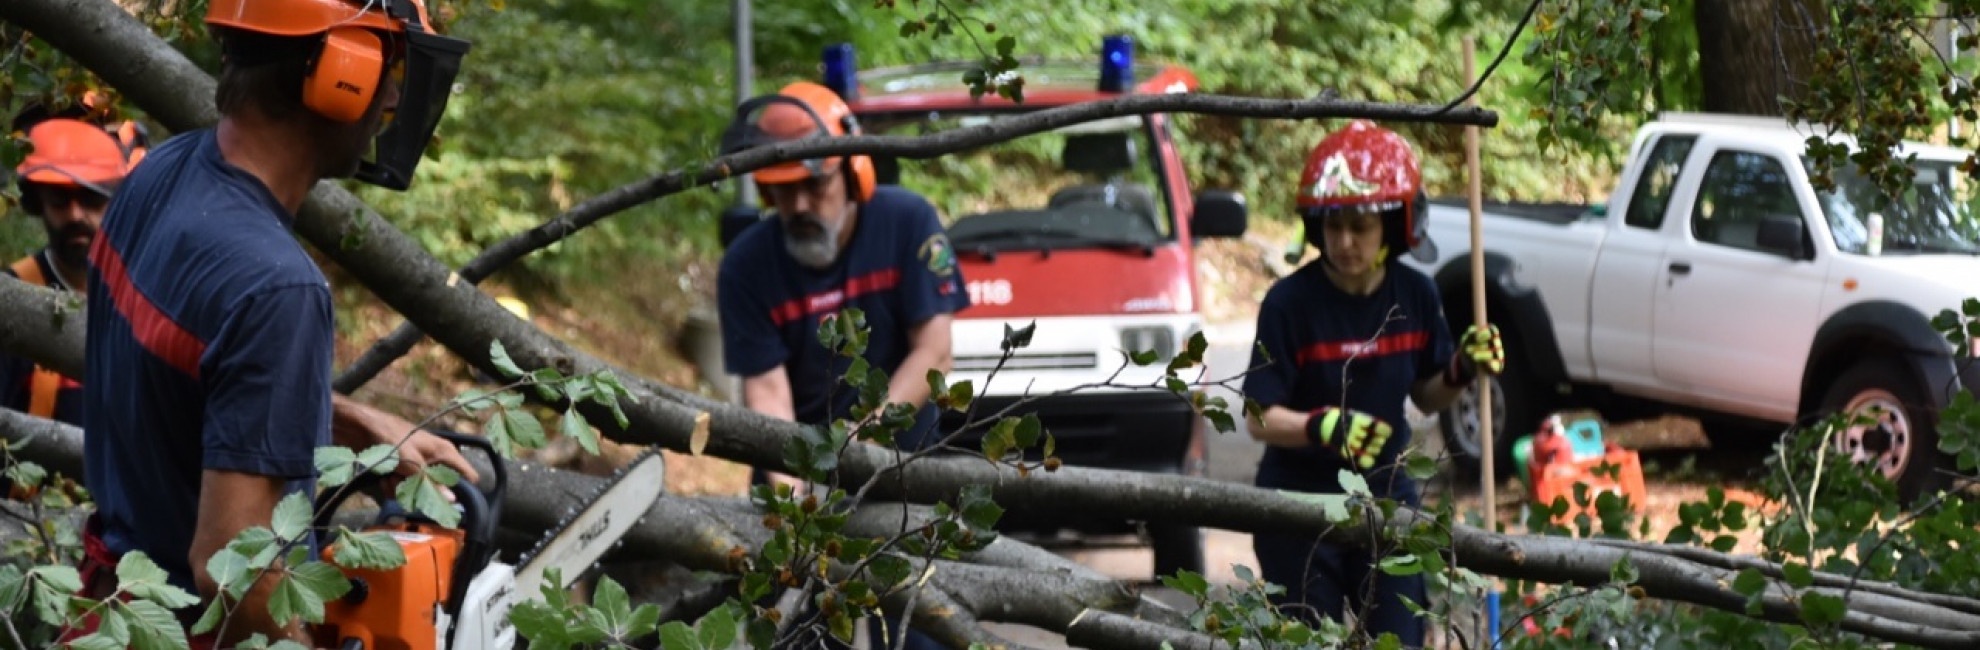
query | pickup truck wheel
[1903, 441]
[1516, 410]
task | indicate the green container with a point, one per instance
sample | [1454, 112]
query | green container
[1523, 457]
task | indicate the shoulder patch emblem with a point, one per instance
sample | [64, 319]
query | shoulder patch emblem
[936, 253]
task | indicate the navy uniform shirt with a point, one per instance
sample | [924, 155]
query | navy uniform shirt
[897, 268]
[209, 343]
[1329, 348]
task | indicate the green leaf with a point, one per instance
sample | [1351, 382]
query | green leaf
[1402, 565]
[573, 426]
[1221, 420]
[322, 581]
[379, 459]
[960, 394]
[718, 628]
[610, 600]
[1198, 345]
[1188, 582]
[978, 510]
[334, 466]
[375, 549]
[1797, 574]
[1623, 572]
[497, 432]
[499, 356]
[1026, 433]
[100, 640]
[1750, 582]
[26, 473]
[291, 516]
[210, 620]
[888, 571]
[676, 635]
[290, 601]
[1819, 610]
[1420, 467]
[541, 625]
[525, 429]
[1353, 483]
[1143, 357]
[1018, 339]
[155, 628]
[55, 576]
[422, 494]
[1005, 45]
[140, 577]
[1001, 438]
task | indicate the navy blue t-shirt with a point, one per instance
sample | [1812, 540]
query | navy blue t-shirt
[1330, 348]
[209, 343]
[898, 269]
[17, 374]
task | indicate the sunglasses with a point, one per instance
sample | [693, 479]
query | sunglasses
[61, 198]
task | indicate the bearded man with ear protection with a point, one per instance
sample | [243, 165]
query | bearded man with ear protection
[1341, 343]
[838, 239]
[210, 332]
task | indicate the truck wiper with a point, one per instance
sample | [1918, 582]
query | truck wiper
[1047, 239]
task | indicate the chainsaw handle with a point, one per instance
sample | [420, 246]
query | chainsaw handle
[500, 472]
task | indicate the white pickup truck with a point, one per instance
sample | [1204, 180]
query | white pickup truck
[1717, 279]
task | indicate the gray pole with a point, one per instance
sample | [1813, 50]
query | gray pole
[745, 79]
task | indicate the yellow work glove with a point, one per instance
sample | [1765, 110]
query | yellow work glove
[1356, 436]
[1477, 350]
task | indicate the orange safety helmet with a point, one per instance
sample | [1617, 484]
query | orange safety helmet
[1366, 168]
[360, 41]
[70, 153]
[800, 110]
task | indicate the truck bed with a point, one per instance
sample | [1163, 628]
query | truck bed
[1554, 213]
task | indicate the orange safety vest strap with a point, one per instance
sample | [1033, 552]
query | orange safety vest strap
[45, 383]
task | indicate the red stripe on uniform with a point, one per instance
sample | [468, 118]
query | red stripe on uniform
[1328, 351]
[826, 302]
[154, 330]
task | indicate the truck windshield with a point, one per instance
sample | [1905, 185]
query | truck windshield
[1936, 215]
[1092, 185]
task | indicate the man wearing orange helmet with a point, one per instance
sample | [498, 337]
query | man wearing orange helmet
[839, 240]
[1341, 343]
[66, 180]
[210, 332]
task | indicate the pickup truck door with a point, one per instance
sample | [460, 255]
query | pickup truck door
[1629, 268]
[1734, 320]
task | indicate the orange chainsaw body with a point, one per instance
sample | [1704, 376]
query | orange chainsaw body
[395, 608]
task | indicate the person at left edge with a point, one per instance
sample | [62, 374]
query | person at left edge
[210, 334]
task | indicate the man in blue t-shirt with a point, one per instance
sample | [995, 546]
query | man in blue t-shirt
[838, 241]
[1342, 342]
[210, 331]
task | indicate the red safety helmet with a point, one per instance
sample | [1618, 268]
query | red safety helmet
[360, 41]
[1366, 168]
[800, 110]
[70, 153]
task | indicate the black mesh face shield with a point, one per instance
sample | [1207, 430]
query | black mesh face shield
[425, 74]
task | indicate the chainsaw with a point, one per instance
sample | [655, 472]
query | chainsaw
[453, 592]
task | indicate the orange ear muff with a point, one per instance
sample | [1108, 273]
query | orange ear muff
[345, 76]
[859, 168]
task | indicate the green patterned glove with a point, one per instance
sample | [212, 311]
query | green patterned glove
[1477, 350]
[1356, 436]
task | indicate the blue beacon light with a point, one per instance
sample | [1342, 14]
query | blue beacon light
[1116, 64]
[841, 74]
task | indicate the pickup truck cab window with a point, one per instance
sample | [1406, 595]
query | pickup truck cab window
[1660, 176]
[1741, 189]
[1932, 218]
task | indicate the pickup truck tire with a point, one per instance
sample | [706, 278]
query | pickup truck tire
[1903, 444]
[1177, 548]
[1518, 403]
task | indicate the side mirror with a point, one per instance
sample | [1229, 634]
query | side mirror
[1783, 234]
[1219, 213]
[735, 220]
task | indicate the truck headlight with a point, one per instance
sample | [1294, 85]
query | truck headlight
[1156, 338]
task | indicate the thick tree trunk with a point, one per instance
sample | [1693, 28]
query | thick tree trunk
[1751, 53]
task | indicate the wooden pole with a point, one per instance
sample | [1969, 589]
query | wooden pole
[1476, 193]
[1488, 495]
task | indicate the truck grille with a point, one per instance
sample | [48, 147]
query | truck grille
[1022, 361]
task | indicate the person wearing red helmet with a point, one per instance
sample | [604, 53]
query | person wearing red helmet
[66, 180]
[1342, 342]
[839, 239]
[210, 329]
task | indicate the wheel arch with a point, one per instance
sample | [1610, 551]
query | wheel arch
[1870, 330]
